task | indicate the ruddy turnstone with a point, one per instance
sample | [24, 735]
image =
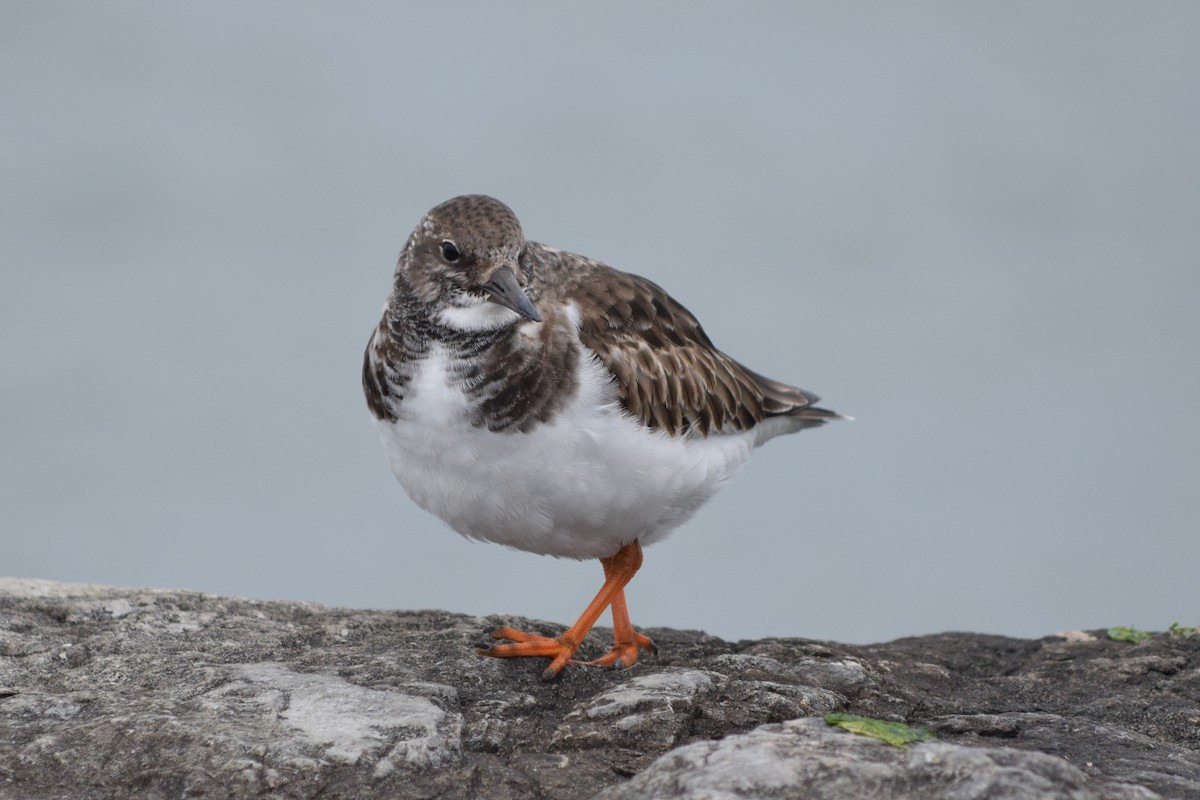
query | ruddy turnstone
[543, 400]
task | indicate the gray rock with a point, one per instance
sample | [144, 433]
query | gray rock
[804, 759]
[115, 693]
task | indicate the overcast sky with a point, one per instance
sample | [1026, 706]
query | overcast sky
[973, 227]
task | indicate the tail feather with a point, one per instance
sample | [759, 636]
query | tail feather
[813, 416]
[782, 400]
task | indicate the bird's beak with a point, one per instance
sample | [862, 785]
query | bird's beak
[504, 289]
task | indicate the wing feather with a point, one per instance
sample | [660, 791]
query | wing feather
[668, 373]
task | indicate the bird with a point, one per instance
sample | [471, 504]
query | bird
[539, 399]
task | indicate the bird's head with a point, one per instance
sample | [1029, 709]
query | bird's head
[464, 260]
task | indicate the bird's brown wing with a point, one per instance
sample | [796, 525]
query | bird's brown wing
[668, 372]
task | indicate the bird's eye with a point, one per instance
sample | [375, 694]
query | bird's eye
[450, 251]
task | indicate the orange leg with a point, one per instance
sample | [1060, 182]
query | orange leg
[619, 569]
[626, 641]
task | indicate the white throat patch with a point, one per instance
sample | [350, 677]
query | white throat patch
[484, 316]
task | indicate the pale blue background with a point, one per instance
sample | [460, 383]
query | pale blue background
[975, 227]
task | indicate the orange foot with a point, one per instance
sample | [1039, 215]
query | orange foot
[619, 568]
[521, 644]
[623, 654]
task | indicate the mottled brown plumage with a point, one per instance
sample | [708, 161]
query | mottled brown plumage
[668, 373]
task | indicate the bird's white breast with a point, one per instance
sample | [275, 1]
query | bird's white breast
[580, 485]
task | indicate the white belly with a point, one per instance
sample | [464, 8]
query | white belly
[580, 486]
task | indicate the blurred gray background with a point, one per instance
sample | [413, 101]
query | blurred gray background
[974, 227]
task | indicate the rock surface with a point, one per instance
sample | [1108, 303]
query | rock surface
[115, 693]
